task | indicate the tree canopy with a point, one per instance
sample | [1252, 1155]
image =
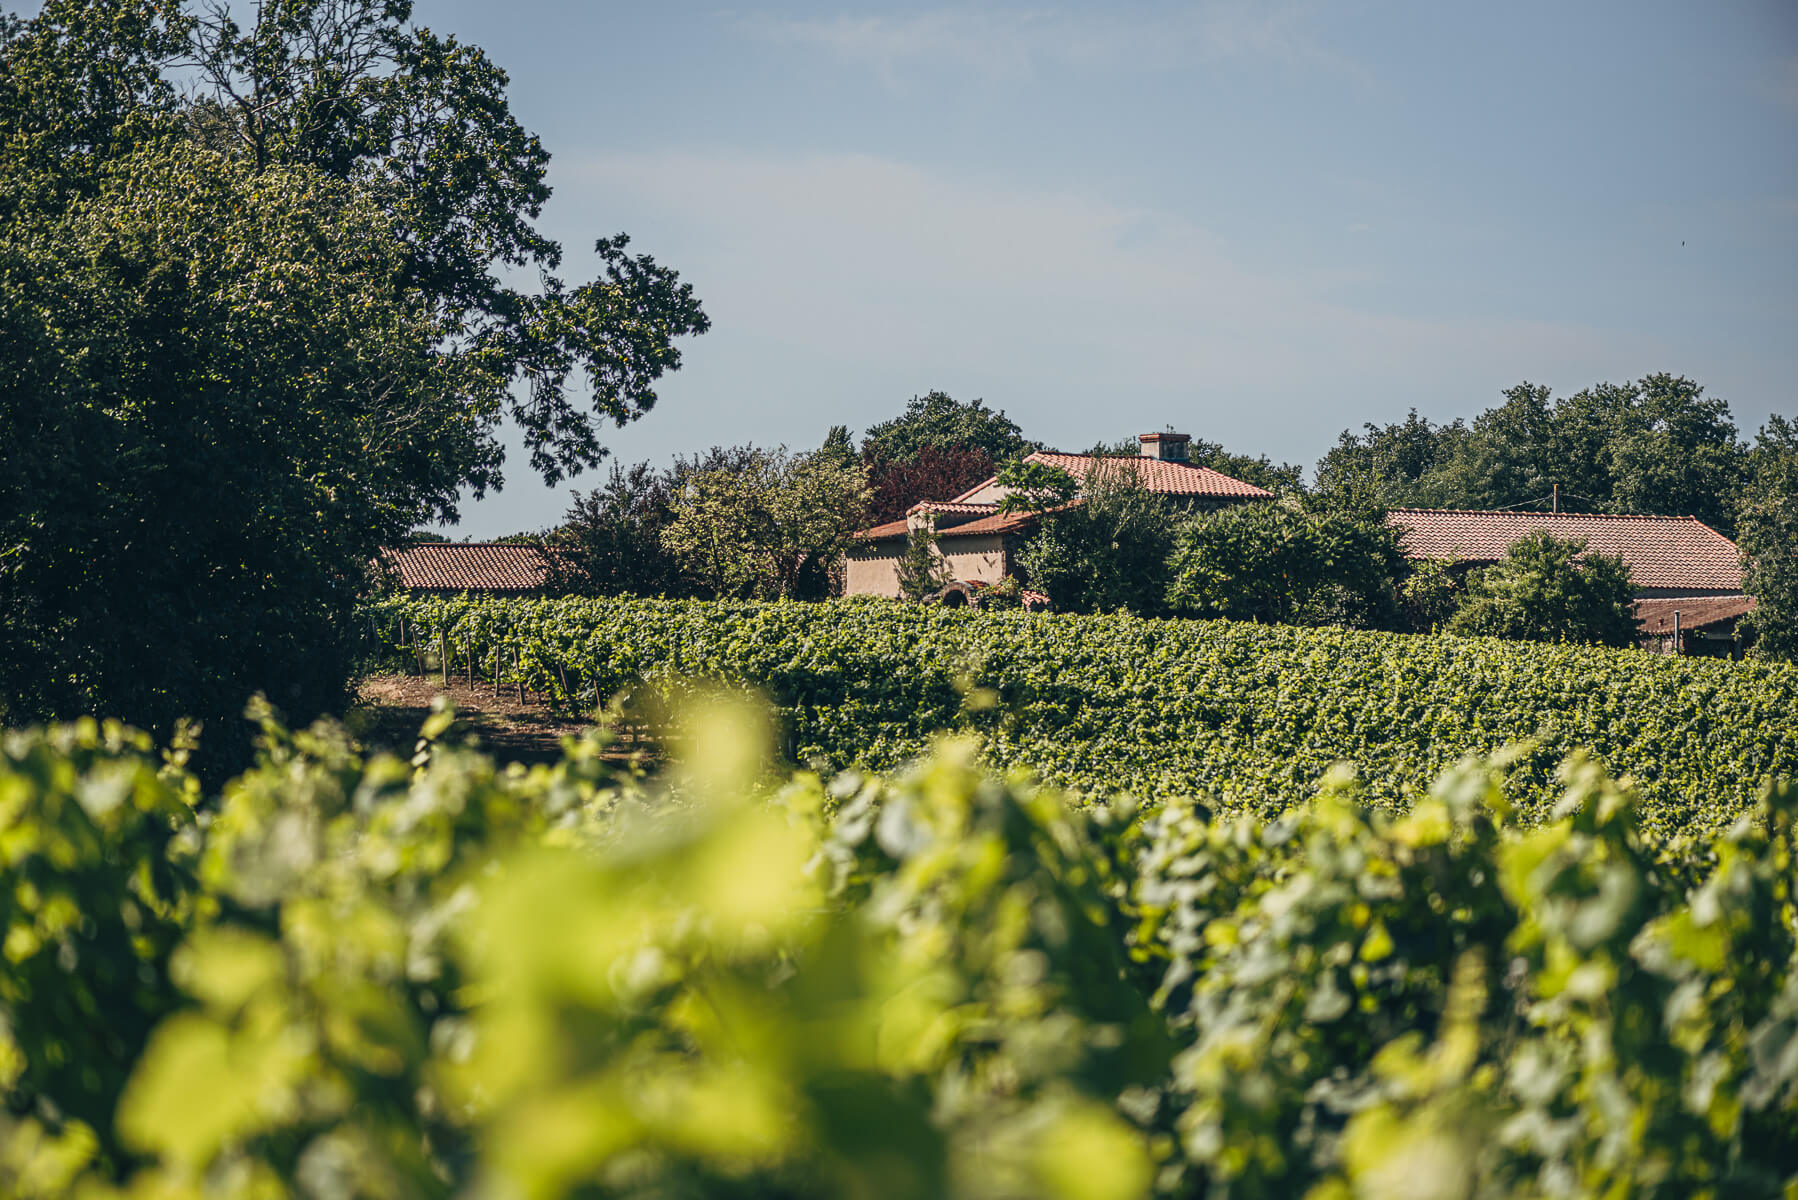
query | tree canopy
[253, 280]
[933, 473]
[766, 524]
[1658, 445]
[1105, 553]
[1768, 520]
[938, 419]
[610, 541]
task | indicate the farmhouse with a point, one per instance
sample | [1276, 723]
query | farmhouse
[1688, 577]
[451, 568]
[978, 542]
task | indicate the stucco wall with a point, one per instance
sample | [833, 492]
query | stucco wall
[873, 572]
[990, 494]
[979, 557]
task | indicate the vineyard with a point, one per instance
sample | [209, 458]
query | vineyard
[374, 978]
[1247, 714]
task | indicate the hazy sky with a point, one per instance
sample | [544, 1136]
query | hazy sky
[1258, 222]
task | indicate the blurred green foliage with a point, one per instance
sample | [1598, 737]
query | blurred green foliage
[378, 978]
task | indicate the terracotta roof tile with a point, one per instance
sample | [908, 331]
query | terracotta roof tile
[952, 506]
[468, 567]
[993, 521]
[1662, 552]
[997, 523]
[1003, 522]
[880, 533]
[1655, 616]
[1158, 475]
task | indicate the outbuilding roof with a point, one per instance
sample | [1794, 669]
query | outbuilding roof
[1661, 552]
[1655, 616]
[468, 567]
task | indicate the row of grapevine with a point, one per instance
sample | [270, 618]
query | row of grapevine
[1107, 704]
[357, 978]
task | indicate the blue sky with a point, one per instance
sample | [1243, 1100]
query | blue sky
[1258, 222]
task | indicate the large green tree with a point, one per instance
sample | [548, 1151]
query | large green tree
[1397, 465]
[937, 449]
[259, 325]
[1768, 520]
[216, 404]
[764, 523]
[610, 541]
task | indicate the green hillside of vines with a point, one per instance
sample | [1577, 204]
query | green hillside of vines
[1102, 704]
[361, 978]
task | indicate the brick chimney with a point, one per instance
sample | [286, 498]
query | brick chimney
[1168, 447]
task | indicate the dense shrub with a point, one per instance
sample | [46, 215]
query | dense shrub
[1113, 703]
[441, 979]
[1106, 553]
[1289, 564]
[1549, 590]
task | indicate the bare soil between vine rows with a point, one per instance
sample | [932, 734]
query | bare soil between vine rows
[390, 708]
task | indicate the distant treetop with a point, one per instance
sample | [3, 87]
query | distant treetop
[939, 420]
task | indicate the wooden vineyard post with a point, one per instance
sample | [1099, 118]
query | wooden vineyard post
[443, 656]
[518, 666]
[496, 669]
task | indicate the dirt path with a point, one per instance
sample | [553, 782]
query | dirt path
[390, 708]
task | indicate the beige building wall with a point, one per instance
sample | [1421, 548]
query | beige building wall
[980, 557]
[992, 493]
[873, 571]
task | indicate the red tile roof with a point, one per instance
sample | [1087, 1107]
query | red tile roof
[468, 567]
[951, 506]
[997, 523]
[993, 522]
[1158, 475]
[880, 533]
[1662, 552]
[1655, 616]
